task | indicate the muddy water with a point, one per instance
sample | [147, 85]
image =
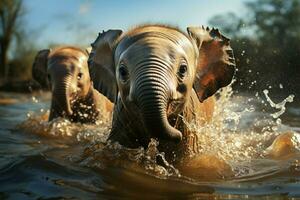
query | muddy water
[238, 157]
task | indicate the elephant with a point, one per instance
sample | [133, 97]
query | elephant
[65, 71]
[160, 79]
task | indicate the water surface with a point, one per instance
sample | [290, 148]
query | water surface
[60, 159]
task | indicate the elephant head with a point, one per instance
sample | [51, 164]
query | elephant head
[65, 71]
[153, 70]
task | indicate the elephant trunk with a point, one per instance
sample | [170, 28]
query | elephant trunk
[62, 96]
[152, 93]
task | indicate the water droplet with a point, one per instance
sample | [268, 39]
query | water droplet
[280, 105]
[243, 53]
[280, 86]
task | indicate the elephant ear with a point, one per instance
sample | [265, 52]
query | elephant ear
[216, 63]
[101, 63]
[39, 68]
[88, 50]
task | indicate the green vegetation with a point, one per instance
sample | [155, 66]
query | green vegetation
[16, 51]
[266, 42]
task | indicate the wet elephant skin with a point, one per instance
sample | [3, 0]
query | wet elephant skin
[159, 78]
[65, 71]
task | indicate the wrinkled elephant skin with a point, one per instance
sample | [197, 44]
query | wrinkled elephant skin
[158, 77]
[65, 71]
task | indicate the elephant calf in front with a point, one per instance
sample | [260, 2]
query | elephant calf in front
[65, 70]
[160, 78]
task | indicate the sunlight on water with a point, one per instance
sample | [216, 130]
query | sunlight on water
[103, 156]
[37, 123]
[280, 106]
[239, 147]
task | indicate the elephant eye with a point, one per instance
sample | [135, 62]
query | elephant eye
[182, 70]
[79, 76]
[123, 72]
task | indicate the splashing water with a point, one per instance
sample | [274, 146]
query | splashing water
[280, 105]
[243, 147]
[37, 123]
[230, 138]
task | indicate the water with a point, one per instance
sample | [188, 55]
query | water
[237, 160]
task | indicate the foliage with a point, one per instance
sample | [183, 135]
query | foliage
[20, 65]
[16, 50]
[10, 11]
[266, 43]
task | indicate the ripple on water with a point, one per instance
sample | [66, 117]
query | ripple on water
[237, 151]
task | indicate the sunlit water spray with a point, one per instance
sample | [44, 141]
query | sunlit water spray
[231, 137]
[37, 123]
[280, 106]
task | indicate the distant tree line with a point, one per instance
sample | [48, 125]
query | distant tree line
[266, 42]
[16, 49]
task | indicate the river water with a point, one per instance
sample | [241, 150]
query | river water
[59, 159]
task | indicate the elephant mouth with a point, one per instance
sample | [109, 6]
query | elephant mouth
[174, 112]
[68, 113]
[81, 103]
[173, 120]
[175, 107]
[62, 108]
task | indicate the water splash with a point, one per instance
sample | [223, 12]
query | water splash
[106, 155]
[237, 143]
[60, 128]
[280, 106]
[231, 137]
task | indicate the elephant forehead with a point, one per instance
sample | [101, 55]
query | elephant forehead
[152, 48]
[68, 62]
[164, 31]
[156, 40]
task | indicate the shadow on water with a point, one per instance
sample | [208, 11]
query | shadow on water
[59, 159]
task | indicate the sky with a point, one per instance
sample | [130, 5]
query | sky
[77, 22]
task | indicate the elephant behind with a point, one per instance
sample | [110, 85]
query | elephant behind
[65, 71]
[160, 79]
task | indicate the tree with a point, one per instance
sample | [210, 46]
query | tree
[229, 23]
[266, 43]
[10, 13]
[277, 24]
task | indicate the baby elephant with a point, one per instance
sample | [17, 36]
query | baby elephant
[65, 70]
[160, 79]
